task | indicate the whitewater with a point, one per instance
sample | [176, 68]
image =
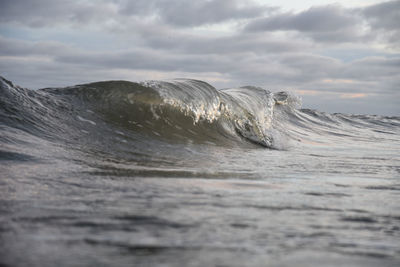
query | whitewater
[179, 173]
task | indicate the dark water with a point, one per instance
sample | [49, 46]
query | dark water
[180, 174]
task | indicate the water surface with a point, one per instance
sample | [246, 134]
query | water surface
[177, 173]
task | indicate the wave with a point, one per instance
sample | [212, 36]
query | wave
[177, 111]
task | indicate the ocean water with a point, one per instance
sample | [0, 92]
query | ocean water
[177, 173]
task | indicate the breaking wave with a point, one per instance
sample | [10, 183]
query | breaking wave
[177, 111]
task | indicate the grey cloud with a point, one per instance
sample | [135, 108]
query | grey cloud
[332, 23]
[13, 47]
[194, 13]
[42, 13]
[330, 18]
[311, 67]
[384, 19]
[183, 13]
[348, 35]
[385, 15]
[288, 69]
[373, 68]
[326, 24]
[135, 58]
[371, 104]
[38, 73]
[235, 43]
[277, 52]
[207, 12]
[336, 24]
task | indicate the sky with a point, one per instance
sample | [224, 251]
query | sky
[337, 56]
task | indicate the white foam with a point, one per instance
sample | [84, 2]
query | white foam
[85, 120]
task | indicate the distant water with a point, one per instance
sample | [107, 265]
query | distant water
[177, 173]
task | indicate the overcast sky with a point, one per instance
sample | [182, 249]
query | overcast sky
[338, 56]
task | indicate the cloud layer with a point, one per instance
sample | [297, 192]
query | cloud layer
[346, 55]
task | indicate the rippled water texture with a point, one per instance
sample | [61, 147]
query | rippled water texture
[178, 173]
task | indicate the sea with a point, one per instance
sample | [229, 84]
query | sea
[179, 173]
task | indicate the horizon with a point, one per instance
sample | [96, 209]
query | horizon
[338, 56]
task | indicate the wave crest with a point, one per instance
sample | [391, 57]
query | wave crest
[177, 111]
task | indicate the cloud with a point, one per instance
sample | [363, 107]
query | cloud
[184, 14]
[20, 48]
[180, 13]
[371, 104]
[331, 23]
[383, 19]
[44, 13]
[340, 53]
[166, 38]
[331, 18]
[291, 68]
[326, 24]
[336, 24]
[373, 68]
[384, 16]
